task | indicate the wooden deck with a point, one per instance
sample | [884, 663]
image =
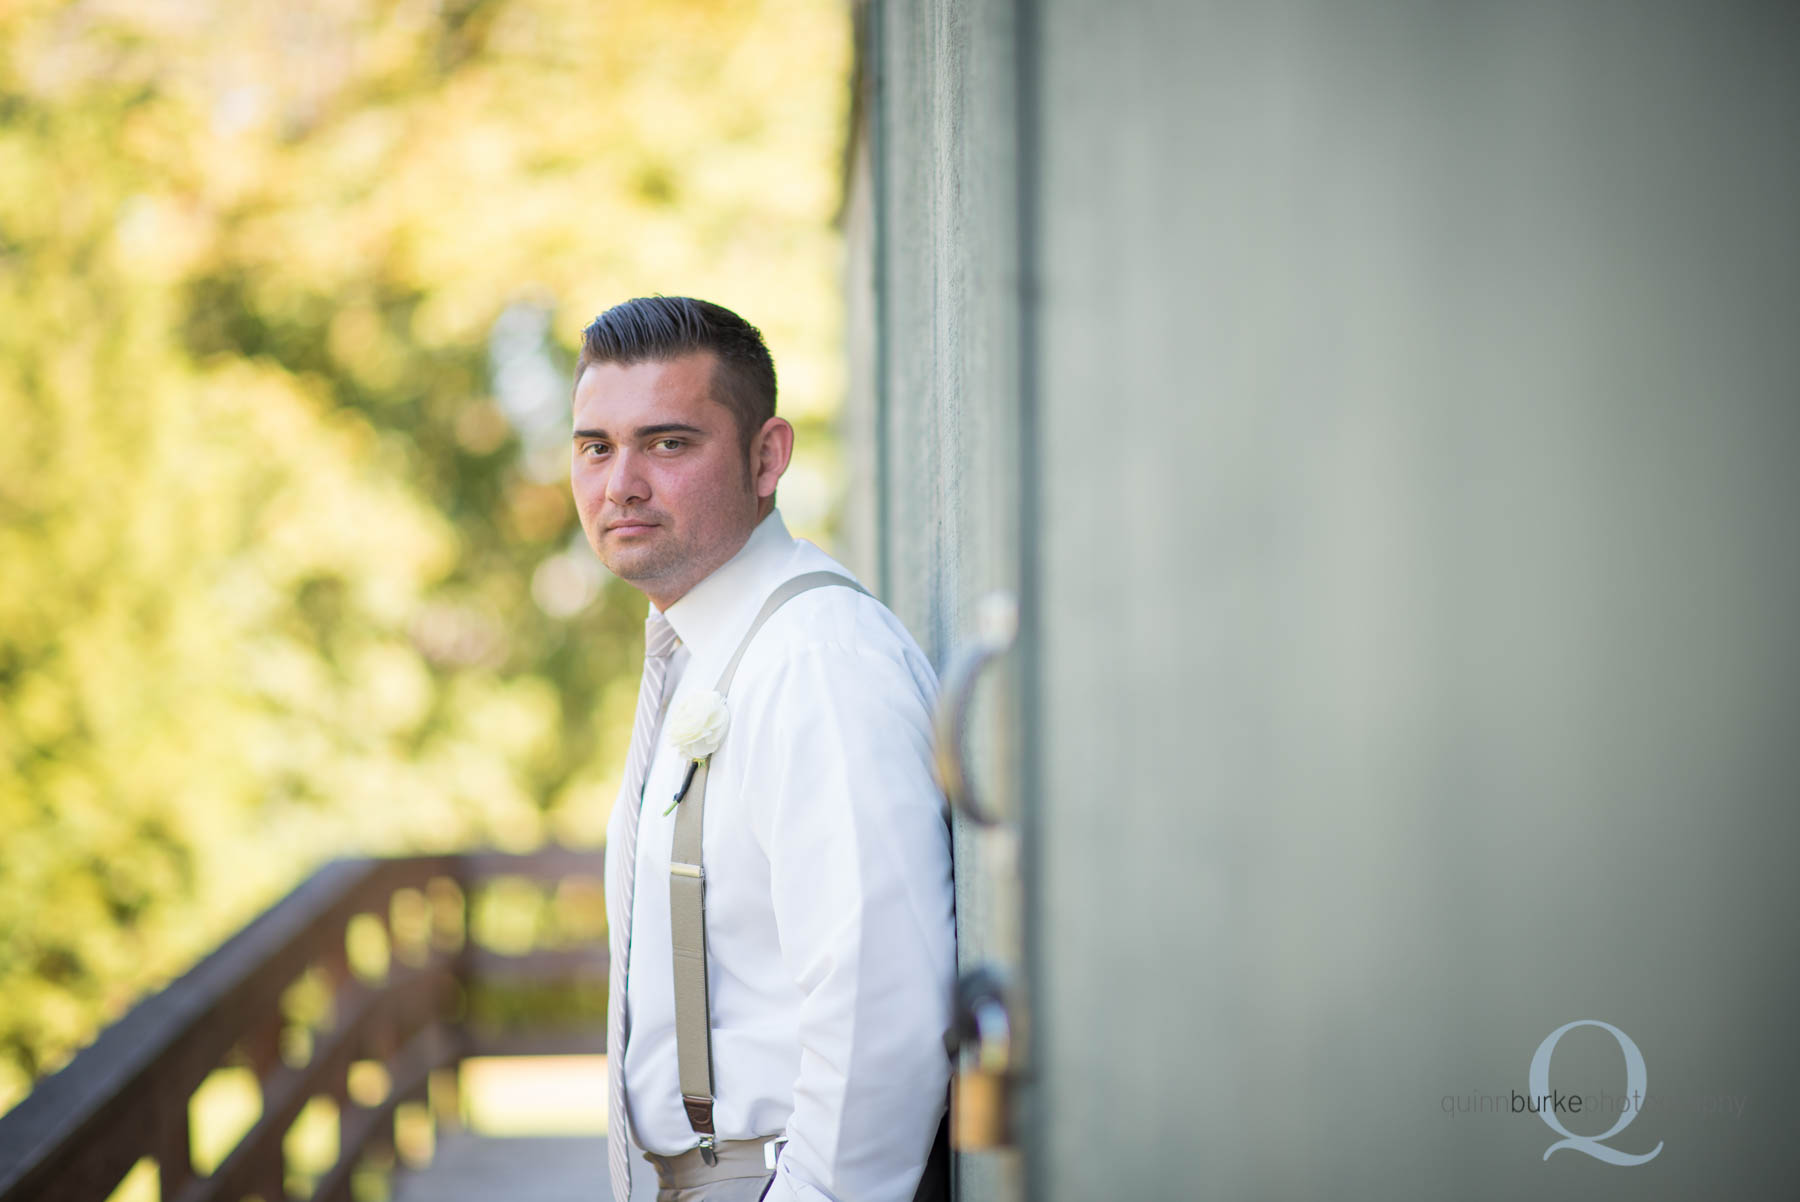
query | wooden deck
[486, 1168]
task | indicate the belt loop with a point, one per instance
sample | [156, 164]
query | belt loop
[772, 1151]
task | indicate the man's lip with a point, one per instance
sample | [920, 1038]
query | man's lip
[629, 525]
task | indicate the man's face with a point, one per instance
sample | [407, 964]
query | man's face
[660, 480]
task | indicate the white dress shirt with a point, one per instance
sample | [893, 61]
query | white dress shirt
[830, 937]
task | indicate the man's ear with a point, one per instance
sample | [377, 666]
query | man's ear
[770, 451]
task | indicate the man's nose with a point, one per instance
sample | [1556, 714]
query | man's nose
[626, 483]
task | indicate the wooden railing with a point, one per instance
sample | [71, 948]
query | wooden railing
[388, 951]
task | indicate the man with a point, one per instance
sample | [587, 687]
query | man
[829, 943]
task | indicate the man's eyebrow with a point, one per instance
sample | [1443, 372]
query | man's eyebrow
[646, 431]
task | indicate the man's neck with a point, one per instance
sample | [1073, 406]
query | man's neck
[674, 597]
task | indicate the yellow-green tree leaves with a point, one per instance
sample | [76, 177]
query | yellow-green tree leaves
[287, 299]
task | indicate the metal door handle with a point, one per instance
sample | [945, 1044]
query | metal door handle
[996, 625]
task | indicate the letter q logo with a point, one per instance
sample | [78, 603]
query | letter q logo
[1636, 1078]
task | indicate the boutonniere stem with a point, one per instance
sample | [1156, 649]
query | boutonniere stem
[687, 782]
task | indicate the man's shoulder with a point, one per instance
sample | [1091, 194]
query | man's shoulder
[850, 618]
[833, 623]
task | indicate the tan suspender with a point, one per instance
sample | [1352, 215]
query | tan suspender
[687, 899]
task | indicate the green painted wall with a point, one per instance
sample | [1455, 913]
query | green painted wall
[1388, 414]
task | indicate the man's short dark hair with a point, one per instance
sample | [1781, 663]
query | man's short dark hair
[655, 328]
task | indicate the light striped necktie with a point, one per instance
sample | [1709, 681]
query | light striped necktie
[659, 644]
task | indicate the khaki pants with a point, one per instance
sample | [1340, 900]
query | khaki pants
[739, 1176]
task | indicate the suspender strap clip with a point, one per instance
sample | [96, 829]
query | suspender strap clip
[699, 1112]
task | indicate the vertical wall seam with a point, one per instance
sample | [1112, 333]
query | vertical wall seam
[1030, 650]
[875, 49]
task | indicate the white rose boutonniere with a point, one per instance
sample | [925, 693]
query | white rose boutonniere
[695, 726]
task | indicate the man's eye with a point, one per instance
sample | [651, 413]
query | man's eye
[669, 444]
[593, 448]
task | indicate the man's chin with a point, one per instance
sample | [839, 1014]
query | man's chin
[636, 565]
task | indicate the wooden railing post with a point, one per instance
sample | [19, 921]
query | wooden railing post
[174, 1146]
[267, 1177]
[381, 1043]
[344, 988]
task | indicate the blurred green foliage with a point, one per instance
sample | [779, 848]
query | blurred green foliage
[288, 295]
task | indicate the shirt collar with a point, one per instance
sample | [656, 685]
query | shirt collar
[712, 616]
